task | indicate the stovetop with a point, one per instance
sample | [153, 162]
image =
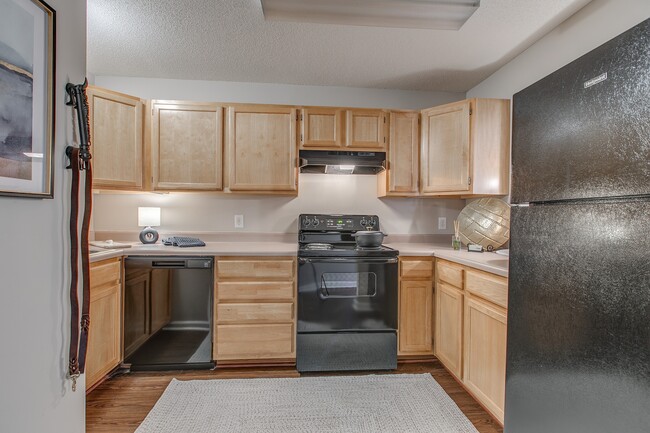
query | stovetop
[331, 236]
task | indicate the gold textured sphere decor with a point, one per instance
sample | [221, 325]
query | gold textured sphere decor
[485, 222]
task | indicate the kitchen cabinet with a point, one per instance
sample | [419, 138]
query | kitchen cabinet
[465, 148]
[255, 310]
[147, 306]
[262, 149]
[366, 129]
[415, 327]
[116, 133]
[321, 127]
[449, 327]
[354, 129]
[484, 372]
[104, 351]
[470, 330]
[187, 146]
[403, 161]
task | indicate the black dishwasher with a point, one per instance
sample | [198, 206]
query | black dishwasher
[168, 312]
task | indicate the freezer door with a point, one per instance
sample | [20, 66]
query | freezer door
[579, 133]
[578, 356]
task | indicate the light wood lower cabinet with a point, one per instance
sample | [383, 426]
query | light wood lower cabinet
[484, 373]
[104, 338]
[470, 331]
[449, 327]
[255, 310]
[415, 326]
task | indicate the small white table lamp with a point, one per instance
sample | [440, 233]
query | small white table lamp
[148, 217]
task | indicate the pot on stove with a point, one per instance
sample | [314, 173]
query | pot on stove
[369, 238]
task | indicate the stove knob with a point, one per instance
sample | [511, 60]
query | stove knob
[306, 222]
[363, 222]
[372, 222]
[316, 222]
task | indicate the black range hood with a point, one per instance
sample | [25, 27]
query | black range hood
[336, 162]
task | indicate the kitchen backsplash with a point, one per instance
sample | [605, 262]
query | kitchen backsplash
[209, 213]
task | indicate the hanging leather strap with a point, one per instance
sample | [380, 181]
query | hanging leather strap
[79, 327]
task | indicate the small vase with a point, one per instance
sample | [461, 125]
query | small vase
[455, 242]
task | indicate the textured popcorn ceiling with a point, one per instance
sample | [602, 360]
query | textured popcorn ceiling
[229, 40]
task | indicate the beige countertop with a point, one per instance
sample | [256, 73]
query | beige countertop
[210, 249]
[489, 262]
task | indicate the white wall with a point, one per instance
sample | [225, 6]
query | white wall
[265, 93]
[268, 214]
[318, 193]
[595, 24]
[35, 395]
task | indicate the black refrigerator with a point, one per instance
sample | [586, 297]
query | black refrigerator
[578, 357]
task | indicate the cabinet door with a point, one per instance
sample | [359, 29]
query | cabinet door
[262, 148]
[116, 136]
[136, 312]
[187, 146]
[449, 327]
[403, 154]
[253, 342]
[366, 129]
[321, 127]
[445, 152]
[104, 352]
[485, 354]
[160, 299]
[415, 318]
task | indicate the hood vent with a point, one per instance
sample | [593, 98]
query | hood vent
[335, 162]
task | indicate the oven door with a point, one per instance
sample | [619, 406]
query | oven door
[347, 294]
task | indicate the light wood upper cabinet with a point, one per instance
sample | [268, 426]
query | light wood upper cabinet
[366, 129]
[485, 353]
[321, 127]
[262, 148]
[445, 148]
[104, 337]
[401, 176]
[116, 122]
[465, 148]
[187, 146]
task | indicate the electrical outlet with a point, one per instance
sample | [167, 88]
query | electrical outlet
[442, 223]
[239, 221]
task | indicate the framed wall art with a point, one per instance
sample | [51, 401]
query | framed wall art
[27, 45]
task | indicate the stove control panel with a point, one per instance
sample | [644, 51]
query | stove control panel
[318, 222]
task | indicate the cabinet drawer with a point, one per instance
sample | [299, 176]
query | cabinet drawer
[249, 342]
[255, 291]
[416, 268]
[254, 313]
[450, 273]
[105, 272]
[490, 287]
[255, 269]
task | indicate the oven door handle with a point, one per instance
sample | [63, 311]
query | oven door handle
[348, 260]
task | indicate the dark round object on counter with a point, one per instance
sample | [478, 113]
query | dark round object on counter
[369, 238]
[148, 236]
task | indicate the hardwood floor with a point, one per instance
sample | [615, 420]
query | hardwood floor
[120, 404]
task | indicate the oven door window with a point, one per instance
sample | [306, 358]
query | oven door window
[348, 284]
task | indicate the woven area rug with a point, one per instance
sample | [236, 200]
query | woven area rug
[404, 403]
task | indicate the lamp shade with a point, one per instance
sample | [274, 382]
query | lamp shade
[148, 216]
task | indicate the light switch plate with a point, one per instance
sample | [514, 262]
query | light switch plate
[239, 221]
[442, 223]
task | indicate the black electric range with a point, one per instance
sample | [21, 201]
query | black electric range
[347, 297]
